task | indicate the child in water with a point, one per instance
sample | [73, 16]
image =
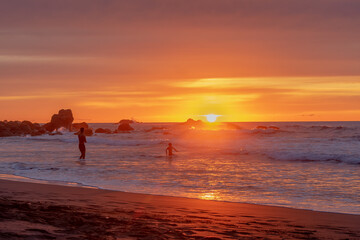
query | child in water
[82, 141]
[169, 149]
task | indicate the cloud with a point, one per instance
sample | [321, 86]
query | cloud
[294, 85]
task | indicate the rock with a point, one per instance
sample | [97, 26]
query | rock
[124, 127]
[191, 123]
[102, 130]
[17, 128]
[77, 126]
[128, 121]
[38, 132]
[88, 132]
[13, 126]
[37, 126]
[5, 132]
[27, 123]
[49, 127]
[26, 127]
[63, 119]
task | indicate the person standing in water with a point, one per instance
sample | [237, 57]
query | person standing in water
[169, 149]
[82, 141]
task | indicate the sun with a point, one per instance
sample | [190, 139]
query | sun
[211, 117]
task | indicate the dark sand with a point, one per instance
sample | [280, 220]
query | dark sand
[44, 211]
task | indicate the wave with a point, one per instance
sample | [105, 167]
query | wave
[313, 157]
[111, 140]
[297, 156]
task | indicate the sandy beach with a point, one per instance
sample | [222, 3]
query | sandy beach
[45, 211]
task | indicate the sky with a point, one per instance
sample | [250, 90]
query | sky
[169, 60]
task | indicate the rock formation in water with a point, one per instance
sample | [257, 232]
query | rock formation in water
[17, 128]
[63, 119]
[128, 121]
[191, 123]
[77, 126]
[103, 130]
[124, 127]
[87, 132]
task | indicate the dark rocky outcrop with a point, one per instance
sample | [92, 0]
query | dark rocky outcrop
[124, 127]
[87, 132]
[103, 130]
[192, 123]
[77, 126]
[17, 128]
[49, 127]
[5, 130]
[38, 132]
[63, 119]
[128, 121]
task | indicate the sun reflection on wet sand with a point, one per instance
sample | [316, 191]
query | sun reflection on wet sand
[210, 196]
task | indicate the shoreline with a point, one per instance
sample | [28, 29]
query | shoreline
[16, 178]
[57, 211]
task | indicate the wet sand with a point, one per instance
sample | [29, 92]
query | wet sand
[45, 211]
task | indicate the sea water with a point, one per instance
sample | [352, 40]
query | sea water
[308, 165]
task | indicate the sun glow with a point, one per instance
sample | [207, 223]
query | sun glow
[211, 117]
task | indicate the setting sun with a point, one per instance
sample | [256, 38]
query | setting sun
[211, 117]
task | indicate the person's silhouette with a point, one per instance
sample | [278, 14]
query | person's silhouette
[82, 141]
[169, 149]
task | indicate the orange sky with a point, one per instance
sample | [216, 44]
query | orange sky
[154, 61]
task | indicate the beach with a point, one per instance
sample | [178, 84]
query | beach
[46, 211]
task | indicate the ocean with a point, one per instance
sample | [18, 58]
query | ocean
[307, 165]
